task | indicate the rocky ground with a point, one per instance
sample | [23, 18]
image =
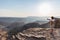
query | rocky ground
[33, 34]
[39, 34]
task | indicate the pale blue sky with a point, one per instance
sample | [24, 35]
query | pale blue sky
[23, 8]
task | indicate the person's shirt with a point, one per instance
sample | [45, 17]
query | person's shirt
[52, 21]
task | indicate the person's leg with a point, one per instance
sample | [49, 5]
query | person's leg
[52, 35]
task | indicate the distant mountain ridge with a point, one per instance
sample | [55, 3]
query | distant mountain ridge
[10, 19]
[6, 21]
[15, 19]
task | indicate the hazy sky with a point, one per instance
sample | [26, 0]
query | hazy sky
[23, 8]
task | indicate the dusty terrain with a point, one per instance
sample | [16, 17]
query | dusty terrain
[41, 32]
[33, 34]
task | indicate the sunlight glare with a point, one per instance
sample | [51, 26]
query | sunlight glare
[45, 9]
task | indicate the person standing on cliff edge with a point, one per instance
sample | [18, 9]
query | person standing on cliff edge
[52, 25]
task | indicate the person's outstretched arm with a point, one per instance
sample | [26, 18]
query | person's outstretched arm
[48, 19]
